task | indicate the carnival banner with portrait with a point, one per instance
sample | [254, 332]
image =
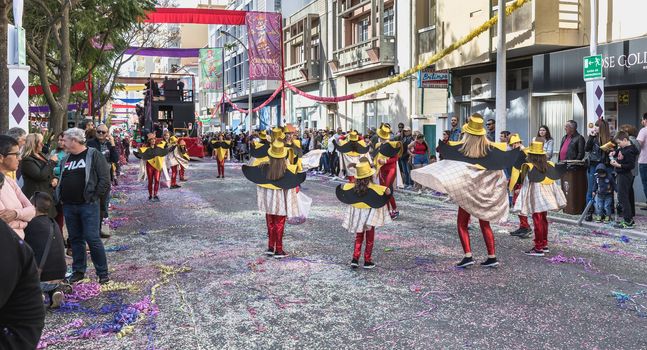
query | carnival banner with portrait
[264, 40]
[211, 74]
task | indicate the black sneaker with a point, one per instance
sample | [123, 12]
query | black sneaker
[527, 233]
[546, 250]
[534, 252]
[57, 299]
[76, 276]
[395, 215]
[490, 262]
[104, 280]
[280, 255]
[156, 199]
[520, 231]
[104, 235]
[354, 263]
[269, 252]
[466, 262]
[150, 198]
[368, 265]
[589, 217]
[625, 224]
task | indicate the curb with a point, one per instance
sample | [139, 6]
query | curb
[619, 232]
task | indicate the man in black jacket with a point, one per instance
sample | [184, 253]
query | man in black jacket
[22, 314]
[624, 161]
[105, 144]
[572, 146]
[84, 178]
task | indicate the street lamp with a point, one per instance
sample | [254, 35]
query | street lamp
[250, 114]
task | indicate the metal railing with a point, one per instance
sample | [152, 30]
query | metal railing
[293, 72]
[357, 56]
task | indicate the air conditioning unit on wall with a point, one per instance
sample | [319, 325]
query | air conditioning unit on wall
[483, 86]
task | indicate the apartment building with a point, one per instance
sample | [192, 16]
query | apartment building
[336, 48]
[236, 71]
[546, 42]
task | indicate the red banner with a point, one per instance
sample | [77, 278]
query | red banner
[38, 89]
[197, 16]
[123, 106]
[264, 44]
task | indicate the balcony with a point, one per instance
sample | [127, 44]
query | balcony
[372, 54]
[303, 73]
[427, 40]
[346, 9]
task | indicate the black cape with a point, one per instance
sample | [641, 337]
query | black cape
[370, 198]
[258, 175]
[495, 159]
[151, 153]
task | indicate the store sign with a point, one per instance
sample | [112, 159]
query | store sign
[623, 63]
[430, 78]
[592, 67]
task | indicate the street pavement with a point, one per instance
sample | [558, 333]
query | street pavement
[190, 274]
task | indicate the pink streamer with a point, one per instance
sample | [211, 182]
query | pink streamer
[319, 98]
[270, 99]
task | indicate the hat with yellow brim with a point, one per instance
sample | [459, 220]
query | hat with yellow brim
[263, 135]
[277, 134]
[384, 132]
[536, 148]
[364, 170]
[353, 136]
[474, 126]
[277, 150]
[514, 138]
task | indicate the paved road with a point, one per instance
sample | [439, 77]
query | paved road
[233, 297]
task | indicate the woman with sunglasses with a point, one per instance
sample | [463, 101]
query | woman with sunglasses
[15, 209]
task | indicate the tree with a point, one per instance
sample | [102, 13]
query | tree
[69, 39]
[5, 5]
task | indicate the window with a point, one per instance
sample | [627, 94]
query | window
[297, 53]
[362, 30]
[389, 23]
[314, 49]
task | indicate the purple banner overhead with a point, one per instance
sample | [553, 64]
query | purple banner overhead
[163, 52]
[45, 109]
[264, 40]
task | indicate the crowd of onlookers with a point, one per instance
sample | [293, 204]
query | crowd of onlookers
[51, 185]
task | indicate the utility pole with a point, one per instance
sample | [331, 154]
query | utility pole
[595, 85]
[501, 97]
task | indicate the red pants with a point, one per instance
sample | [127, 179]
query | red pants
[182, 178]
[275, 229]
[221, 167]
[463, 233]
[523, 220]
[387, 178]
[153, 176]
[541, 230]
[174, 171]
[368, 249]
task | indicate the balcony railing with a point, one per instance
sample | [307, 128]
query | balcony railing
[427, 40]
[304, 72]
[375, 52]
[345, 9]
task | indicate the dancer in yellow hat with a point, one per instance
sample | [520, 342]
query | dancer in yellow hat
[277, 183]
[153, 155]
[538, 194]
[471, 173]
[351, 150]
[220, 151]
[366, 211]
[386, 161]
[178, 159]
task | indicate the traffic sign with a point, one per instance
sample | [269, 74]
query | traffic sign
[592, 67]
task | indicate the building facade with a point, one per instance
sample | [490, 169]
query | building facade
[545, 44]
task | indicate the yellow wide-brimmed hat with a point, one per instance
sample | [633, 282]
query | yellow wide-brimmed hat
[353, 136]
[277, 134]
[514, 138]
[384, 132]
[364, 170]
[475, 125]
[536, 148]
[277, 150]
[263, 135]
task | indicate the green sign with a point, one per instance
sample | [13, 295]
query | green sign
[592, 67]
[211, 72]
